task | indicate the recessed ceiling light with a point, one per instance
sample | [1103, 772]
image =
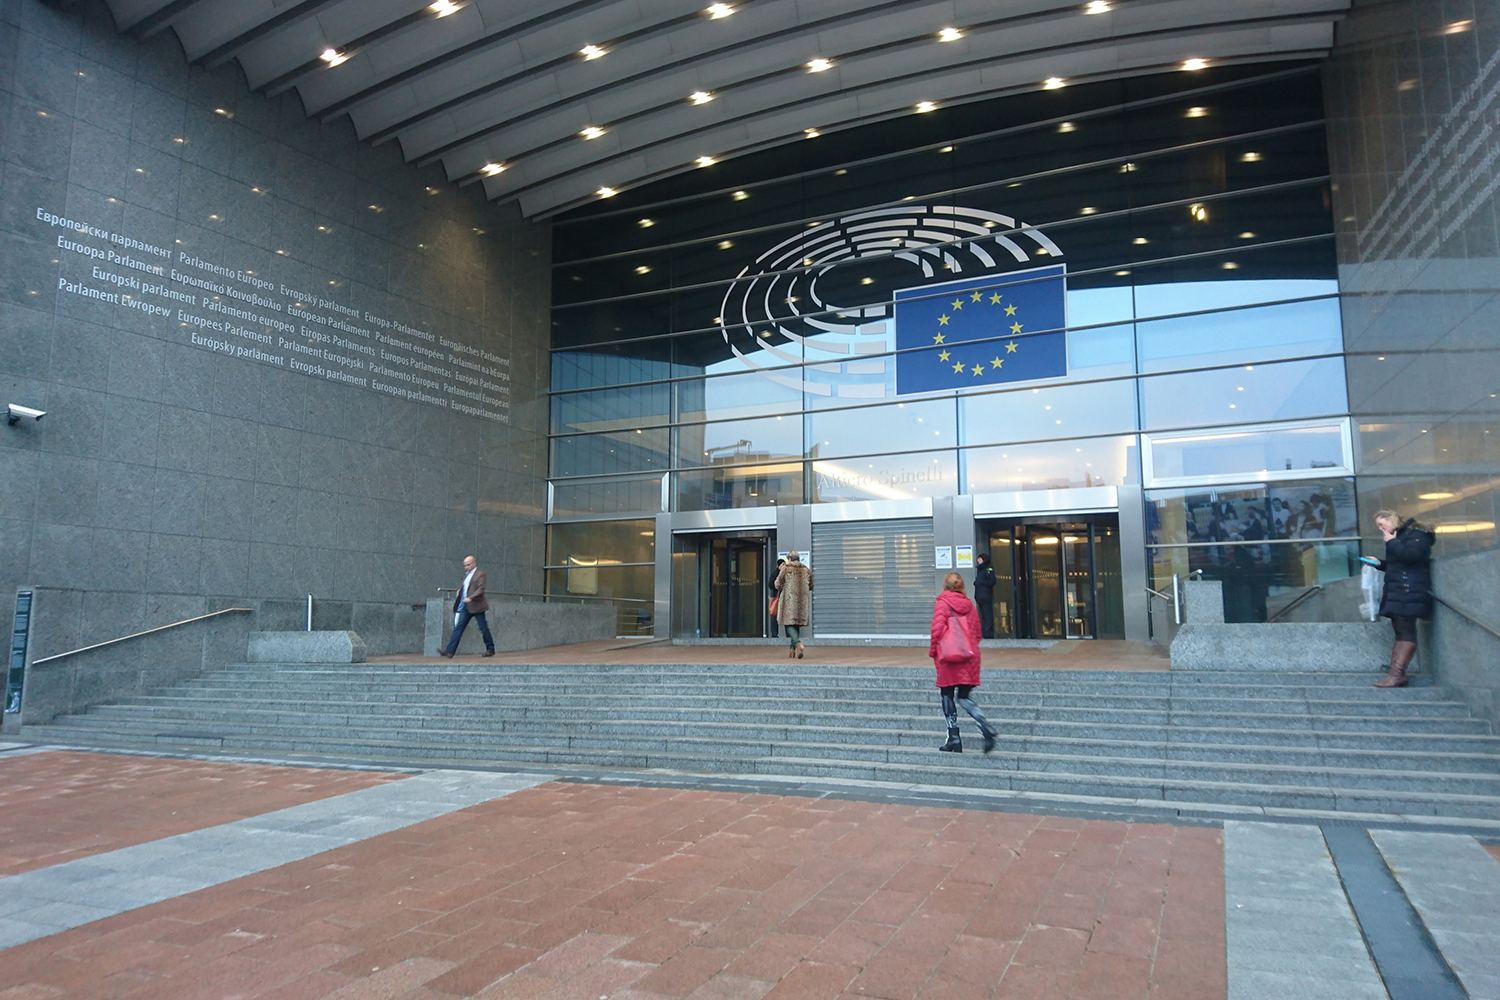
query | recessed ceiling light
[1122, 274]
[740, 195]
[591, 52]
[1067, 127]
[442, 8]
[1230, 265]
[989, 223]
[221, 111]
[867, 281]
[1096, 7]
[1053, 83]
[1196, 112]
[819, 65]
[646, 223]
[642, 269]
[1127, 168]
[718, 10]
[592, 132]
[333, 57]
[946, 149]
[1250, 157]
[807, 262]
[840, 172]
[925, 106]
[1247, 235]
[1407, 85]
[606, 192]
[705, 161]
[1194, 63]
[1198, 212]
[1440, 495]
[1140, 241]
[811, 133]
[1456, 27]
[491, 169]
[725, 244]
[1087, 210]
[700, 97]
[950, 35]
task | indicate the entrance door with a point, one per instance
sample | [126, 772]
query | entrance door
[1056, 579]
[719, 585]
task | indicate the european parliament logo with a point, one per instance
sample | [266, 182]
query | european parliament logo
[981, 331]
[909, 298]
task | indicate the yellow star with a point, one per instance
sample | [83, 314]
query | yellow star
[1010, 310]
[998, 363]
[1010, 348]
[942, 355]
[977, 297]
[958, 366]
[995, 299]
[1015, 328]
[938, 339]
[942, 321]
[958, 303]
[979, 369]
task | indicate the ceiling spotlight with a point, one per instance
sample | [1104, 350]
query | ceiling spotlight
[491, 169]
[1067, 127]
[811, 133]
[725, 244]
[740, 195]
[718, 10]
[1194, 64]
[1096, 7]
[591, 52]
[1440, 495]
[867, 281]
[705, 161]
[1247, 235]
[1127, 168]
[606, 192]
[819, 64]
[1053, 83]
[333, 57]
[946, 149]
[1140, 241]
[950, 35]
[592, 132]
[1249, 157]
[646, 223]
[1198, 212]
[643, 269]
[1456, 27]
[925, 106]
[700, 97]
[1230, 265]
[442, 8]
[1087, 210]
[1196, 112]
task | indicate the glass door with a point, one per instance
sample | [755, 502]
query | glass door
[1078, 581]
[1044, 571]
[1003, 558]
[747, 589]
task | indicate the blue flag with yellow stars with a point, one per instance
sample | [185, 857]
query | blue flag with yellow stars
[981, 331]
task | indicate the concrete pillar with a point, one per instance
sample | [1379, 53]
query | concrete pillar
[1133, 563]
[661, 615]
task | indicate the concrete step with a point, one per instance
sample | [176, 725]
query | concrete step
[968, 770]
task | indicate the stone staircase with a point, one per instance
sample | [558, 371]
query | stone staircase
[1291, 740]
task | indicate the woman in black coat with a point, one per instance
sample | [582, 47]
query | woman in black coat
[1408, 588]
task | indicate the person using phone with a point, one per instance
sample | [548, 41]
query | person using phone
[1408, 588]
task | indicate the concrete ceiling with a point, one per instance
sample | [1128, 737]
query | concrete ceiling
[471, 83]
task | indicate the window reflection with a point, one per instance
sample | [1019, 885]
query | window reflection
[1050, 466]
[896, 427]
[762, 484]
[1245, 394]
[889, 477]
[1050, 412]
[738, 441]
[616, 495]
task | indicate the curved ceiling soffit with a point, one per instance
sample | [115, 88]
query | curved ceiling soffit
[479, 85]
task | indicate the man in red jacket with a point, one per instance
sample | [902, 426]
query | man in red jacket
[955, 651]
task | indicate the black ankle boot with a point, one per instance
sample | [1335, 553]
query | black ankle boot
[989, 739]
[954, 744]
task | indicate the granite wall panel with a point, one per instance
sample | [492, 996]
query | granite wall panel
[173, 476]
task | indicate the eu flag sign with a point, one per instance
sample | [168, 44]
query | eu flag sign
[981, 331]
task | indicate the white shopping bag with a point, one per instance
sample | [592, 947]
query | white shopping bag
[1372, 584]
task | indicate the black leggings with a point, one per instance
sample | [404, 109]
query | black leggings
[955, 695]
[1406, 629]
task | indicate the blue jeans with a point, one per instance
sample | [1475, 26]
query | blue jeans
[463, 622]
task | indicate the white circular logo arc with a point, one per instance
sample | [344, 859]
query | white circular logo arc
[849, 357]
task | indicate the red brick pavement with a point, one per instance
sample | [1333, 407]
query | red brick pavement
[1493, 849]
[59, 806]
[580, 892]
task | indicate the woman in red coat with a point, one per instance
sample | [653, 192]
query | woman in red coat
[957, 668]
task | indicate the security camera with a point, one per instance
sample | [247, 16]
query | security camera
[15, 411]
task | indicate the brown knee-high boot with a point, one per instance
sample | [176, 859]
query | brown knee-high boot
[1401, 654]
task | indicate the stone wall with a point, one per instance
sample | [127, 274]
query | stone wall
[274, 361]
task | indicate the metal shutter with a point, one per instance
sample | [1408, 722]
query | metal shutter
[872, 578]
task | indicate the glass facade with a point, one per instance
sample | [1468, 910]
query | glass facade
[743, 336]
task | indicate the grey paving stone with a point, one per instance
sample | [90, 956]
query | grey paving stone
[37, 903]
[1289, 931]
[1454, 884]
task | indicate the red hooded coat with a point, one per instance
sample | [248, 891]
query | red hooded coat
[954, 610]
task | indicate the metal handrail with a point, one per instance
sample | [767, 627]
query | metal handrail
[1467, 616]
[135, 635]
[1157, 593]
[1286, 608]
